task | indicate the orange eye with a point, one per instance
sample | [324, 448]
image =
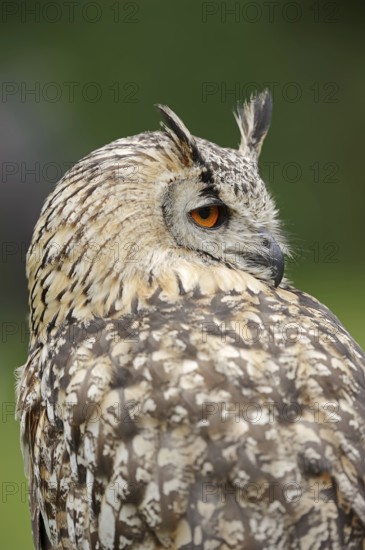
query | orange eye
[206, 216]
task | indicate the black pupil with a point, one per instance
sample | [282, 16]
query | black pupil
[204, 213]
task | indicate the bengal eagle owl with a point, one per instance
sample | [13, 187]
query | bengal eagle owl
[179, 393]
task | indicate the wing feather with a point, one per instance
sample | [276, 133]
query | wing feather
[213, 423]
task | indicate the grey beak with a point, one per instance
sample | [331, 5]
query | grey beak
[274, 257]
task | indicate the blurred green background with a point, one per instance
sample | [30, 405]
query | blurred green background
[76, 75]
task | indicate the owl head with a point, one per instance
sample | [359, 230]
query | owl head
[160, 210]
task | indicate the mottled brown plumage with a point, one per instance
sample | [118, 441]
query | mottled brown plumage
[178, 393]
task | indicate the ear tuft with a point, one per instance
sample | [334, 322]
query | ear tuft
[180, 135]
[253, 119]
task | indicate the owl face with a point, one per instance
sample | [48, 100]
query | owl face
[150, 209]
[228, 218]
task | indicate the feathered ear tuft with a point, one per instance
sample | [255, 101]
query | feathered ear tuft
[253, 119]
[184, 141]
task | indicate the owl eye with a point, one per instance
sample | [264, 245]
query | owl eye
[208, 216]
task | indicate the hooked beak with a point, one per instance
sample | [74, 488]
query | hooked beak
[274, 257]
[267, 254]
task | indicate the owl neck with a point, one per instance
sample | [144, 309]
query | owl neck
[114, 294]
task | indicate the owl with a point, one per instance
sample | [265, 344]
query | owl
[180, 392]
